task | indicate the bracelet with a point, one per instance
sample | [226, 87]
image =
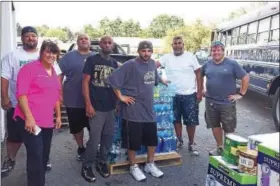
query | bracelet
[241, 94]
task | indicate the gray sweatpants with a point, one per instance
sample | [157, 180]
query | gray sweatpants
[101, 132]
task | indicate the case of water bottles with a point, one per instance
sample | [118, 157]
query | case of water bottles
[163, 108]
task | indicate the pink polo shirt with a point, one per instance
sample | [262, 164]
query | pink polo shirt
[42, 93]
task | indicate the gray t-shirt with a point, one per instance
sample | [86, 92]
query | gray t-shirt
[137, 79]
[72, 65]
[221, 79]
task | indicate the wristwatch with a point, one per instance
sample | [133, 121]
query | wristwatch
[241, 94]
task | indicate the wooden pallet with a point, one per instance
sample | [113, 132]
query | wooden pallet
[161, 160]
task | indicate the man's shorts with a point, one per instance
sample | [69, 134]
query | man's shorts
[217, 114]
[186, 107]
[77, 119]
[13, 128]
[135, 134]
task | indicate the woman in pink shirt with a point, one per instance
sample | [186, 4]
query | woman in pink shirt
[38, 91]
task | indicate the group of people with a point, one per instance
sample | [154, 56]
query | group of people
[33, 87]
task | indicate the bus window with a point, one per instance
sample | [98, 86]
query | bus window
[274, 33]
[252, 32]
[243, 34]
[263, 30]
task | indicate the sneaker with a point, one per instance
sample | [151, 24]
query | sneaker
[193, 150]
[180, 143]
[88, 175]
[217, 152]
[49, 166]
[7, 167]
[81, 151]
[136, 172]
[152, 169]
[102, 168]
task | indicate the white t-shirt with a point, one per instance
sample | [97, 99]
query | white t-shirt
[11, 64]
[180, 71]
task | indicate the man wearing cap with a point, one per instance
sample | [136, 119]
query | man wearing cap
[11, 64]
[221, 93]
[134, 84]
[183, 70]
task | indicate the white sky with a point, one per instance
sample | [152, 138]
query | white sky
[76, 14]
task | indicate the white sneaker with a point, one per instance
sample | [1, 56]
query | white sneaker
[136, 172]
[153, 170]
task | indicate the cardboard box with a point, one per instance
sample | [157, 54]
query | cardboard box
[268, 163]
[220, 173]
[255, 140]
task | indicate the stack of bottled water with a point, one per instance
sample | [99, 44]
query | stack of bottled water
[163, 108]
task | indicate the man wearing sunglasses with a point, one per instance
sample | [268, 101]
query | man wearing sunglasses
[100, 107]
[221, 93]
[183, 70]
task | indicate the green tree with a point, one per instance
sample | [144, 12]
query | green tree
[57, 33]
[161, 23]
[93, 33]
[195, 36]
[70, 35]
[130, 28]
[42, 30]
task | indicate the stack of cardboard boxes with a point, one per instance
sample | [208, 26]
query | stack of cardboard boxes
[252, 162]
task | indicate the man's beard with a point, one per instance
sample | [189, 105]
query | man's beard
[144, 58]
[30, 46]
[178, 53]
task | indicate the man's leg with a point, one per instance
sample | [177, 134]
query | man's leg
[13, 143]
[107, 136]
[228, 118]
[77, 121]
[177, 118]
[213, 121]
[150, 139]
[190, 117]
[96, 124]
[132, 140]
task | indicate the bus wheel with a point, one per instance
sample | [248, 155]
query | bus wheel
[275, 109]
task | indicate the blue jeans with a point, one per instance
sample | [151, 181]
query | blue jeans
[38, 150]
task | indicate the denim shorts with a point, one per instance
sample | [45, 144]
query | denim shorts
[186, 107]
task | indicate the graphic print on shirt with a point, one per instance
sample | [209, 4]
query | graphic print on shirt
[23, 62]
[149, 78]
[101, 73]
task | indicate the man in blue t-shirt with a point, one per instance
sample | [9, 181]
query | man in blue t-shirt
[100, 103]
[221, 92]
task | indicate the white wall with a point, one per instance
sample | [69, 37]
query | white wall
[8, 43]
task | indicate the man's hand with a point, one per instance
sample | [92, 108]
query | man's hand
[90, 112]
[199, 97]
[58, 122]
[235, 97]
[204, 93]
[30, 124]
[6, 103]
[165, 82]
[127, 99]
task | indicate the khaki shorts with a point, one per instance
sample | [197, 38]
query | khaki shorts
[220, 115]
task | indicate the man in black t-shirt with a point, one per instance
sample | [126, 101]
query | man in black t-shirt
[100, 105]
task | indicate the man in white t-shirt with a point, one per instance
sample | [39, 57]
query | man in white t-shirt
[183, 70]
[11, 64]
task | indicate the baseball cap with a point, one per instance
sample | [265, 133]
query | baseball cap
[217, 43]
[144, 45]
[28, 29]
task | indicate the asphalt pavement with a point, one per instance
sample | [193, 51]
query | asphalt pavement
[253, 118]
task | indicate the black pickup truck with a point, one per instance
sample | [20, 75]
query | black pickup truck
[118, 51]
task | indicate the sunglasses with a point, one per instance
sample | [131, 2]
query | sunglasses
[217, 43]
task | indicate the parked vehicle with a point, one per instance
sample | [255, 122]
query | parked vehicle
[253, 40]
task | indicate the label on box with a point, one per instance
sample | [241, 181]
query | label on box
[220, 174]
[246, 162]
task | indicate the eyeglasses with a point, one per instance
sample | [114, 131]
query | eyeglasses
[217, 43]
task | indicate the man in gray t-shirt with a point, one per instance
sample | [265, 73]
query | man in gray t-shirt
[221, 92]
[72, 65]
[134, 85]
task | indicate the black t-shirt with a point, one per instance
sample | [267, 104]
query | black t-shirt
[102, 96]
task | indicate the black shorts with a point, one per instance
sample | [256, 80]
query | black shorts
[13, 128]
[135, 134]
[77, 119]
